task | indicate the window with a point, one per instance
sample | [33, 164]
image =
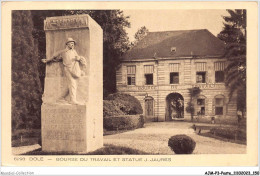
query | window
[149, 79]
[201, 77]
[131, 75]
[174, 73]
[219, 76]
[219, 68]
[173, 49]
[219, 111]
[219, 104]
[201, 106]
[174, 78]
[148, 74]
[201, 72]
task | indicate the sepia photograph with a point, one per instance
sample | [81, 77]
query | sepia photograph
[145, 84]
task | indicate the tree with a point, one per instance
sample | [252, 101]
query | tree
[194, 92]
[234, 35]
[115, 39]
[140, 34]
[26, 86]
[38, 17]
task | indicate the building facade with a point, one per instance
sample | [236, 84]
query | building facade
[163, 69]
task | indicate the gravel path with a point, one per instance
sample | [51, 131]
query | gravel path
[153, 138]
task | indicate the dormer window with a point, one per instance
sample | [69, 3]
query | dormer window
[173, 49]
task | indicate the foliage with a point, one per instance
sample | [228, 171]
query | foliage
[234, 35]
[110, 109]
[123, 122]
[140, 34]
[24, 137]
[190, 108]
[194, 91]
[181, 144]
[229, 133]
[121, 111]
[26, 86]
[126, 103]
[115, 39]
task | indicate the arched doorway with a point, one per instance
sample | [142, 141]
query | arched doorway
[174, 106]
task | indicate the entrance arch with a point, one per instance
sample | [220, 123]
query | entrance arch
[174, 106]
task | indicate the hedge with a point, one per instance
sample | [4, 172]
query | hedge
[110, 109]
[123, 122]
[126, 103]
[229, 133]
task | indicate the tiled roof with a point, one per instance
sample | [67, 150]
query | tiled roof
[187, 43]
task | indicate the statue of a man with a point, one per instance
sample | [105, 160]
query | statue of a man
[71, 61]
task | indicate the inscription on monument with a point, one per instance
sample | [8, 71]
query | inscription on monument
[65, 23]
[63, 124]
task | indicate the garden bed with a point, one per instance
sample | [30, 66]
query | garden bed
[234, 134]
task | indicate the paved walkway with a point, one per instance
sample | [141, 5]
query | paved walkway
[153, 138]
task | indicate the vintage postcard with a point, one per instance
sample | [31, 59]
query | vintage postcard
[129, 84]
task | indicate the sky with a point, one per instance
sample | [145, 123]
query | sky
[170, 20]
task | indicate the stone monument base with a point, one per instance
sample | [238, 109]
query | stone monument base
[68, 128]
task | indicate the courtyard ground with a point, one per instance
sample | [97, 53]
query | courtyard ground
[153, 139]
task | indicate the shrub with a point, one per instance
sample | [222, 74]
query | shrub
[124, 122]
[109, 109]
[229, 133]
[181, 144]
[126, 103]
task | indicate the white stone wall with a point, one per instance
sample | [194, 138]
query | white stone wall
[187, 79]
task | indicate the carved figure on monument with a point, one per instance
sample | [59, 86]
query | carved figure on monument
[72, 71]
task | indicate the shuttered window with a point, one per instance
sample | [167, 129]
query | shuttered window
[201, 72]
[201, 106]
[131, 70]
[148, 69]
[174, 73]
[219, 105]
[219, 68]
[148, 74]
[201, 66]
[174, 67]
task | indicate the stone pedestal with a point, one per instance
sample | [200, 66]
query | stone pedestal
[67, 127]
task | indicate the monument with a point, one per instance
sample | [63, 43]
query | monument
[72, 109]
